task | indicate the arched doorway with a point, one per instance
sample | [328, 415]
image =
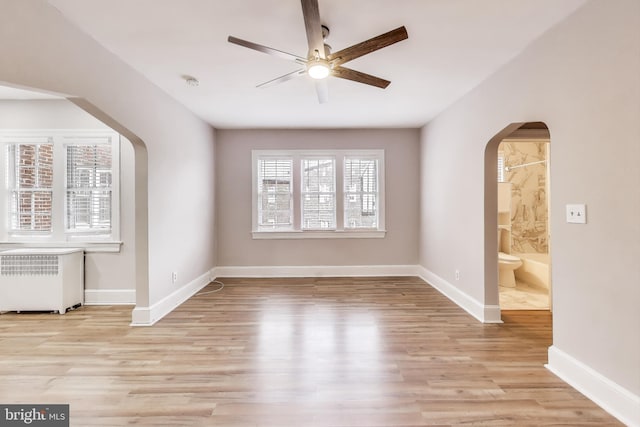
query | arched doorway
[517, 261]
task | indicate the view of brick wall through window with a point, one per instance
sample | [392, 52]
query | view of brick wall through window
[87, 186]
[31, 186]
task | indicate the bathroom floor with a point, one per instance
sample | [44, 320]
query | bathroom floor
[524, 297]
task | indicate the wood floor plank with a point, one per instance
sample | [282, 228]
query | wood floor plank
[330, 352]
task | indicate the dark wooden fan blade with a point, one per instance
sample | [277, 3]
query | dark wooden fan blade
[357, 76]
[368, 46]
[322, 89]
[267, 50]
[288, 76]
[312, 24]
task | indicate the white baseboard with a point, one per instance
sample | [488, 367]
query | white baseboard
[316, 271]
[147, 316]
[484, 313]
[109, 297]
[614, 399]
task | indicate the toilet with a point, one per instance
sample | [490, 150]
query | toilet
[507, 264]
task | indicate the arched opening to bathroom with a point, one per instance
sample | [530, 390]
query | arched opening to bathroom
[517, 235]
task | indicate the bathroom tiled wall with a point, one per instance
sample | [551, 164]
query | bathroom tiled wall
[529, 211]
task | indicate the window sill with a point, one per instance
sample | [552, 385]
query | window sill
[89, 247]
[297, 234]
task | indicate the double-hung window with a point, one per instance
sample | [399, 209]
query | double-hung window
[361, 192]
[88, 188]
[30, 185]
[318, 193]
[61, 189]
[274, 198]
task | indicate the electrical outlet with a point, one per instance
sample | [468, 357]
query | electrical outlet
[457, 274]
[174, 277]
[577, 214]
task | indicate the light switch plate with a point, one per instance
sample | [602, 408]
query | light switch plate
[577, 214]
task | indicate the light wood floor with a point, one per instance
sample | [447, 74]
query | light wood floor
[524, 297]
[293, 352]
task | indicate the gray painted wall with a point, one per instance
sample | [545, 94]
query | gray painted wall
[582, 80]
[233, 168]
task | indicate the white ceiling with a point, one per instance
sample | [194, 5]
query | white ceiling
[7, 92]
[453, 45]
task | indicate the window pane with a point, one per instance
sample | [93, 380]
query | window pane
[319, 212]
[27, 155]
[318, 175]
[31, 210]
[88, 210]
[361, 193]
[274, 192]
[45, 166]
[88, 188]
[318, 194]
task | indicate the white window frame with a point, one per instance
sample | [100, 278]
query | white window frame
[9, 176]
[296, 230]
[258, 201]
[362, 194]
[59, 237]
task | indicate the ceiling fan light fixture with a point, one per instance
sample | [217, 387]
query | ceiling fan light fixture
[320, 63]
[318, 69]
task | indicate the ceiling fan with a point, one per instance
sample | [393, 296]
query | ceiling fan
[320, 62]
